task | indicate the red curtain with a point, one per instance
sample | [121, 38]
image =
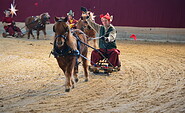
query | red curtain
[138, 13]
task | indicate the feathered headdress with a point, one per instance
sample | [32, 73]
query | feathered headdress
[107, 16]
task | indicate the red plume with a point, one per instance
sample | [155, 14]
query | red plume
[133, 36]
[101, 15]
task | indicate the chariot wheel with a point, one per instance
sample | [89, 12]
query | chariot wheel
[4, 35]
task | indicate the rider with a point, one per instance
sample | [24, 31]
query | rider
[9, 25]
[71, 21]
[107, 42]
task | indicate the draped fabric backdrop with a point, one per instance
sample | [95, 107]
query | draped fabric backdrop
[138, 13]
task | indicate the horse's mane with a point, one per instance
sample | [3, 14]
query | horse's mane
[71, 40]
[44, 14]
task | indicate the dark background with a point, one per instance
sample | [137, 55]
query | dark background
[138, 13]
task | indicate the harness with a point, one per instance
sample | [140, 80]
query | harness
[39, 24]
[65, 50]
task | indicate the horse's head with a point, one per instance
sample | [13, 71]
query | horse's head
[61, 30]
[45, 17]
[84, 16]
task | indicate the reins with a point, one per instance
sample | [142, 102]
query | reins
[78, 39]
[94, 49]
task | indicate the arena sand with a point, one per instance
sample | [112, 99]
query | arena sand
[152, 79]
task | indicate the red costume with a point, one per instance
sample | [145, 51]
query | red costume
[111, 54]
[11, 29]
[72, 23]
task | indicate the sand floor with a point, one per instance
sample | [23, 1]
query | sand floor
[152, 79]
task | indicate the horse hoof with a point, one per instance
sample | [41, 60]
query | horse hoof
[86, 80]
[76, 80]
[73, 87]
[67, 90]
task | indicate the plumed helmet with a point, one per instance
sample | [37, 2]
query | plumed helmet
[6, 11]
[84, 9]
[70, 13]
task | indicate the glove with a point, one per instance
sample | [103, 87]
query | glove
[103, 37]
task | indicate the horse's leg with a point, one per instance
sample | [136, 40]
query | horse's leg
[73, 83]
[85, 66]
[37, 34]
[75, 73]
[44, 31]
[31, 32]
[69, 73]
[69, 81]
[66, 73]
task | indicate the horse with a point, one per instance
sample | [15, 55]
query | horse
[83, 25]
[37, 23]
[67, 51]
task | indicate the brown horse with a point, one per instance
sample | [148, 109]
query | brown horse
[67, 51]
[37, 23]
[83, 25]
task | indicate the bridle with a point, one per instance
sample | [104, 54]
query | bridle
[60, 47]
[45, 18]
[64, 36]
